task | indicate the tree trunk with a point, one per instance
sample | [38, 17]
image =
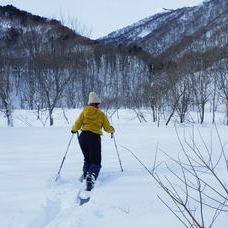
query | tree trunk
[202, 113]
[9, 117]
[154, 113]
[51, 118]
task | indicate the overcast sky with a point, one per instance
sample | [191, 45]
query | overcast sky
[97, 18]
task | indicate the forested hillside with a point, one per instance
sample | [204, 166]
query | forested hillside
[172, 63]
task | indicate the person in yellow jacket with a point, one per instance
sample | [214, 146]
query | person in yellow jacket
[90, 122]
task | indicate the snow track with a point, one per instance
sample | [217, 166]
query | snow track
[114, 199]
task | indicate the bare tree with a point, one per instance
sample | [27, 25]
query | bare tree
[6, 89]
[183, 93]
[215, 94]
[196, 188]
[52, 78]
[77, 26]
[200, 84]
[222, 74]
[179, 97]
[153, 94]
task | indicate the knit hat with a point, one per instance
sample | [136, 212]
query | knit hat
[93, 98]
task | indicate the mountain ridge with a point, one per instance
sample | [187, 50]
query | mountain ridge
[19, 28]
[158, 33]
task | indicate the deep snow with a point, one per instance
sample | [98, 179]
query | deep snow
[30, 156]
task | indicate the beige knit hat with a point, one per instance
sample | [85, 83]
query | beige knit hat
[93, 98]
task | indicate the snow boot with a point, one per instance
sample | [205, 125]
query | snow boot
[90, 181]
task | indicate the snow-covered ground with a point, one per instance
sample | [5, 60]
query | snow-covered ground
[30, 156]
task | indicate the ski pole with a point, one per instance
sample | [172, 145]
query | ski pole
[58, 174]
[118, 155]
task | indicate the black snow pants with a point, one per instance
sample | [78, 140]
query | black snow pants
[90, 144]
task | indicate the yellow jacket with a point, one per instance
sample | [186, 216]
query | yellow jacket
[92, 119]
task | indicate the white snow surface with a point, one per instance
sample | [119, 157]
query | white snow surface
[30, 156]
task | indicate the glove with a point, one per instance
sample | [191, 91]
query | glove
[112, 134]
[73, 132]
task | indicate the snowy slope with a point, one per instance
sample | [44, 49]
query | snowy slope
[21, 31]
[30, 158]
[196, 28]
